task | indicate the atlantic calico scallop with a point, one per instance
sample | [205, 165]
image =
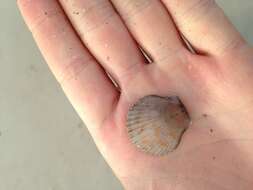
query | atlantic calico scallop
[156, 124]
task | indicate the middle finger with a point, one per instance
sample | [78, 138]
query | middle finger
[105, 35]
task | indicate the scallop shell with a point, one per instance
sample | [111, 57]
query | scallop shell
[156, 124]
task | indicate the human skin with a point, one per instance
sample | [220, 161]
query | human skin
[81, 40]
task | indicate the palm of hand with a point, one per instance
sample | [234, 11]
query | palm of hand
[213, 150]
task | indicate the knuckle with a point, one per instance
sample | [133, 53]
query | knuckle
[44, 17]
[133, 7]
[195, 11]
[231, 46]
[95, 14]
[165, 54]
[131, 71]
[73, 69]
[199, 4]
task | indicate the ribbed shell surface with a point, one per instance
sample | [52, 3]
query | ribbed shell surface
[156, 124]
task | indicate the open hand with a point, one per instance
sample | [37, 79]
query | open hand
[85, 40]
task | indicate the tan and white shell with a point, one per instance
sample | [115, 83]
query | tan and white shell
[156, 124]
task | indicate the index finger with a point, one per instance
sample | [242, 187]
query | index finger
[83, 80]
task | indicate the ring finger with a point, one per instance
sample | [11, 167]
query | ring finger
[151, 25]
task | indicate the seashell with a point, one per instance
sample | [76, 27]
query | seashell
[156, 124]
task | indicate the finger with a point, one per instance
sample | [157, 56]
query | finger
[204, 24]
[151, 25]
[80, 76]
[104, 33]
